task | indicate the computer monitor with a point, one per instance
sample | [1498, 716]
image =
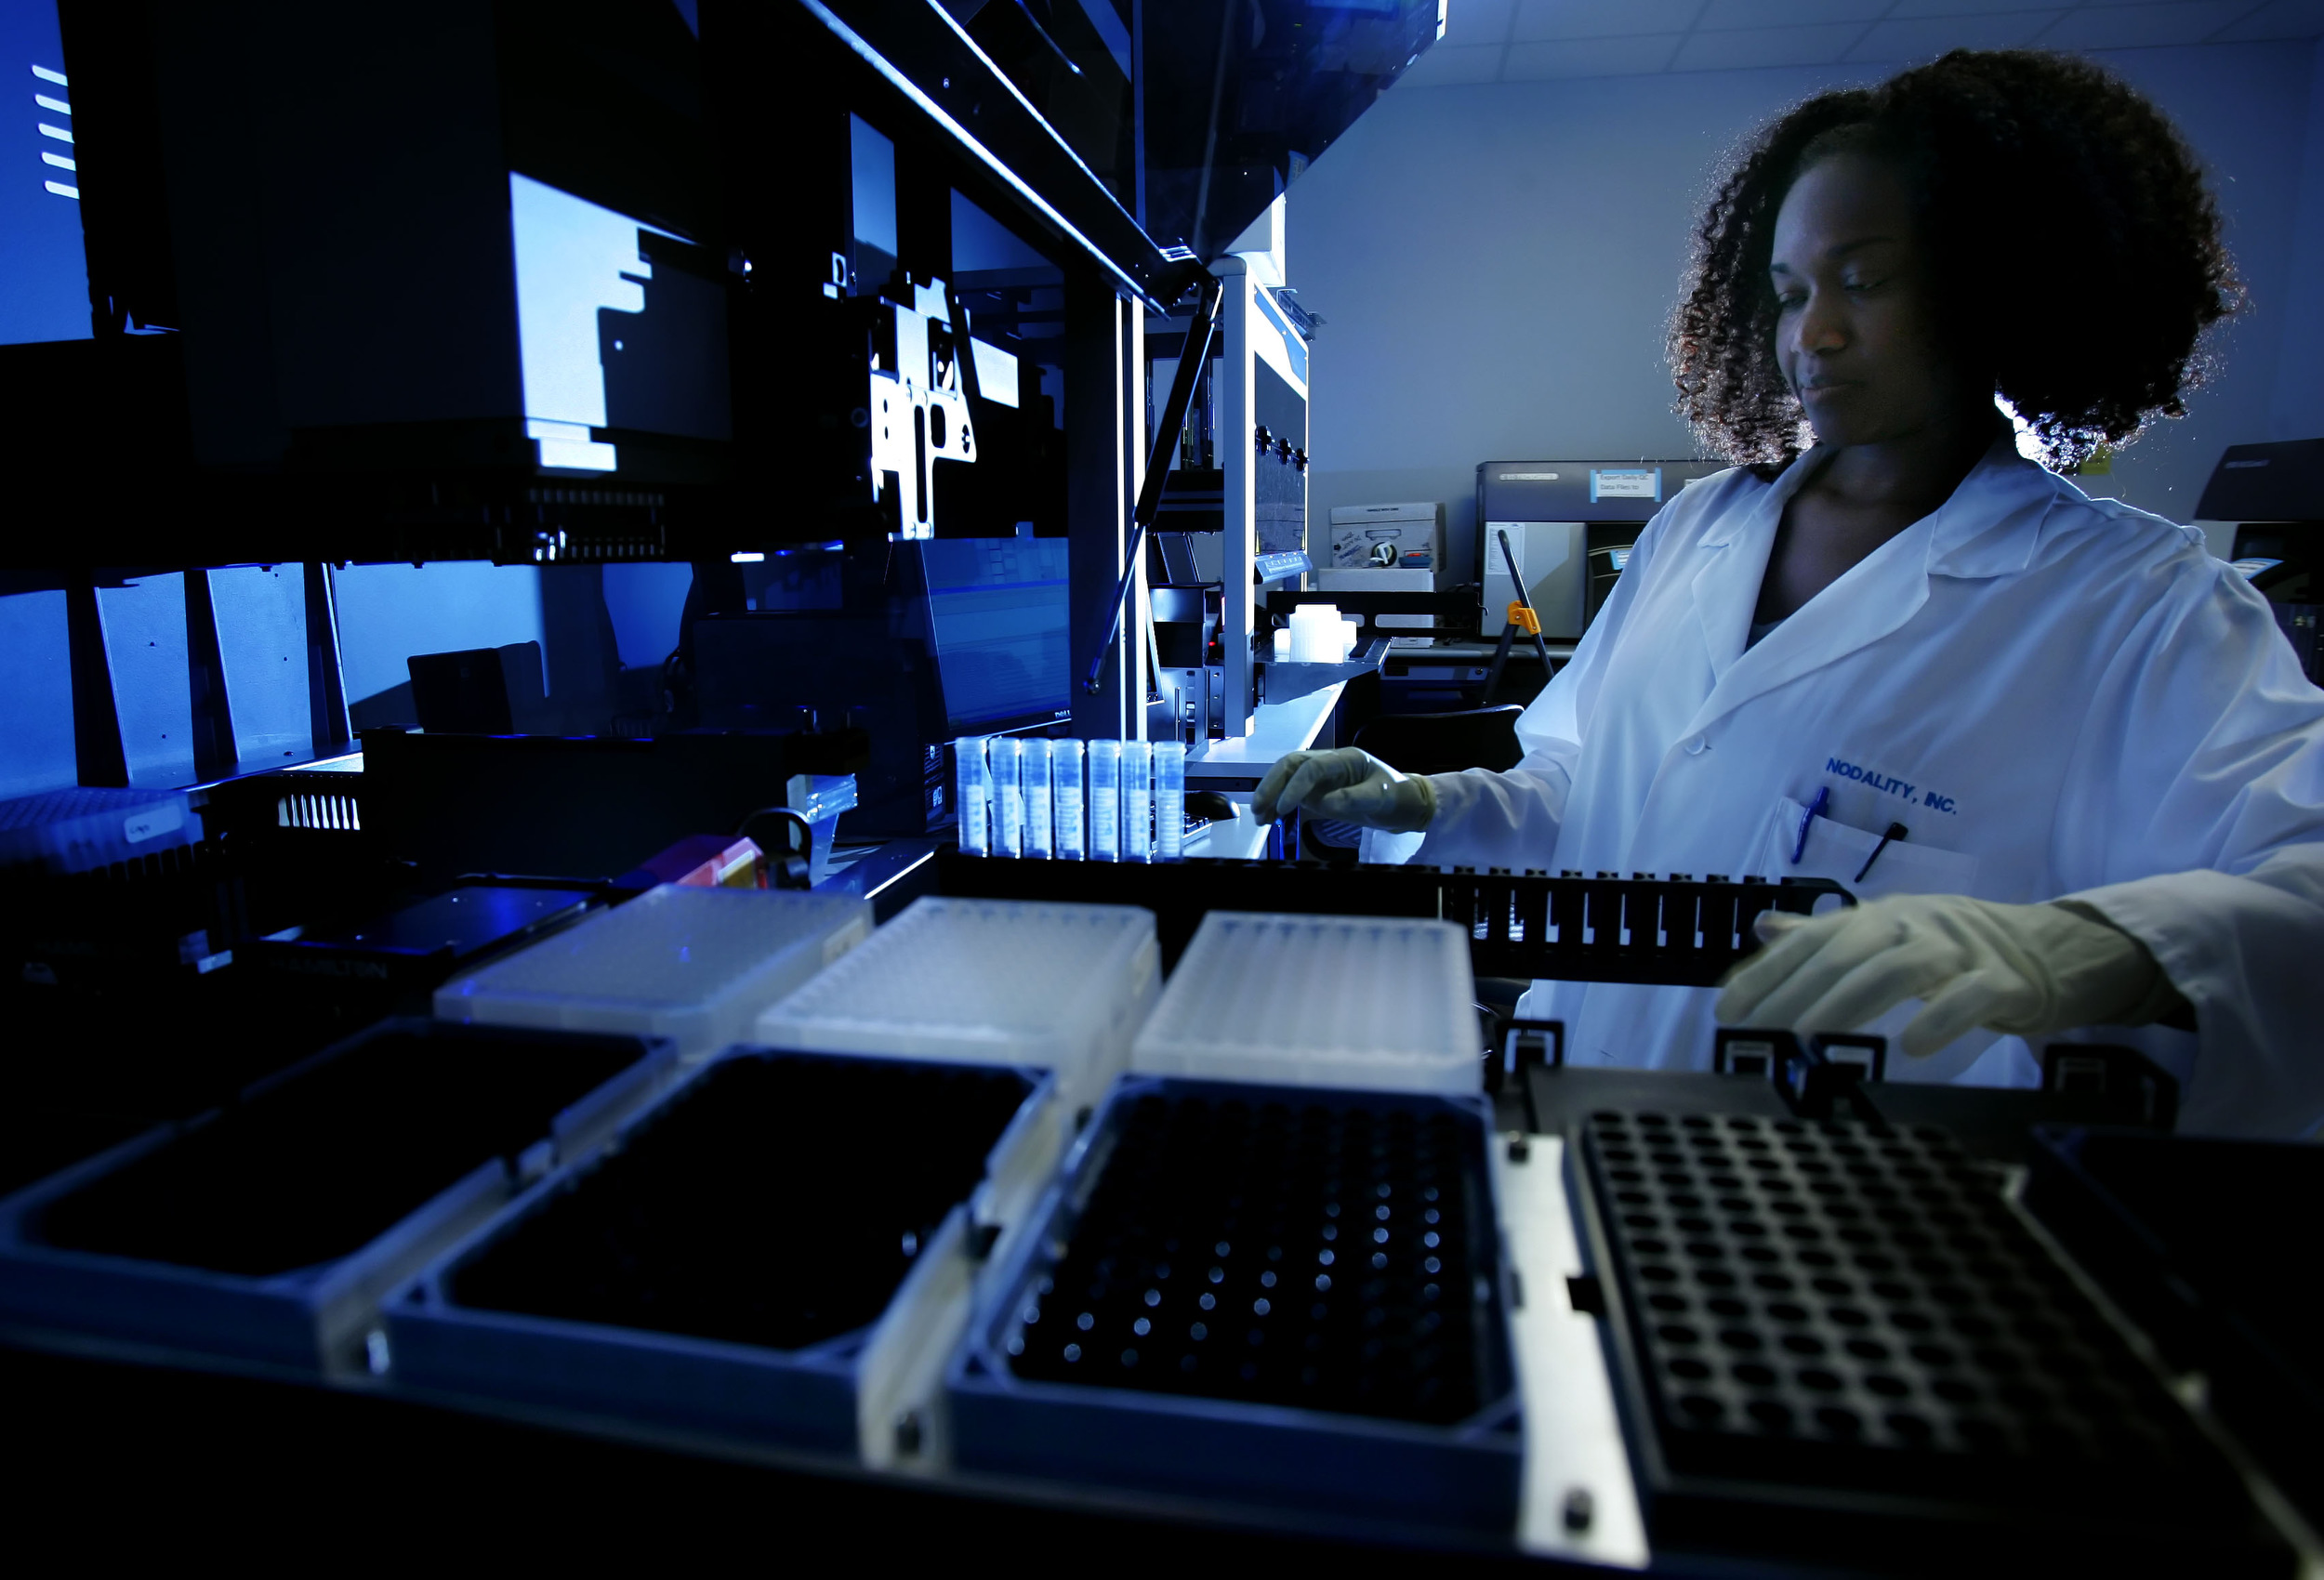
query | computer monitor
[43, 273]
[1001, 622]
[971, 638]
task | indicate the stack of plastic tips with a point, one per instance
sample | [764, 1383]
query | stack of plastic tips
[693, 965]
[1008, 795]
[1035, 773]
[1066, 770]
[973, 804]
[1381, 1003]
[986, 981]
[1023, 798]
[1136, 801]
[1170, 800]
[1105, 800]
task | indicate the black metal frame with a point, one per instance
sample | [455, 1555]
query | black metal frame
[933, 61]
[1190, 371]
[99, 427]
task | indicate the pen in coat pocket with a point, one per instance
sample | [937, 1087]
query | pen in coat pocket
[1896, 830]
[1814, 810]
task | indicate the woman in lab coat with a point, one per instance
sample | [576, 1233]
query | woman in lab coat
[2062, 751]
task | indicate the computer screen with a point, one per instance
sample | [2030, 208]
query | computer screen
[999, 611]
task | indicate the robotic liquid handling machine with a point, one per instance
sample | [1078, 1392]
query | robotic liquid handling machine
[1231, 515]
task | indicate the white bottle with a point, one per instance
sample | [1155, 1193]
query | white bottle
[1065, 771]
[973, 797]
[1170, 800]
[1105, 800]
[1316, 633]
[1008, 798]
[1136, 801]
[1034, 773]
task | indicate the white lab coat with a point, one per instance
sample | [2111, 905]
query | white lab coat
[2056, 695]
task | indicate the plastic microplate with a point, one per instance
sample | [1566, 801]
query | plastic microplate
[986, 981]
[693, 965]
[1376, 1002]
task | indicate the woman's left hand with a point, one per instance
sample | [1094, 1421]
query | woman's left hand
[2025, 969]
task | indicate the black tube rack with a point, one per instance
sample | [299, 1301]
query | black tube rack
[1606, 929]
[1831, 1335]
[1282, 1295]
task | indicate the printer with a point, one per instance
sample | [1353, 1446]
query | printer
[2274, 494]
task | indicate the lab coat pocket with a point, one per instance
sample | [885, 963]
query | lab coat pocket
[1839, 852]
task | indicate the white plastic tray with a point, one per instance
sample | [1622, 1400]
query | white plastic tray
[986, 981]
[693, 965]
[1381, 1003]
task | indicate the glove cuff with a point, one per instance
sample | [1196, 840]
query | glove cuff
[2162, 996]
[1428, 803]
[2087, 972]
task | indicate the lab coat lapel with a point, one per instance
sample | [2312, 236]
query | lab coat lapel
[1734, 550]
[1878, 593]
[1875, 598]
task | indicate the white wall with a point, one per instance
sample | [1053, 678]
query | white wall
[2299, 399]
[1497, 263]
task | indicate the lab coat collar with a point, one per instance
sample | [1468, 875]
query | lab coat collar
[1990, 526]
[1767, 509]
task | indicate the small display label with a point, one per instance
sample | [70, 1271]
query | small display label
[153, 822]
[1643, 482]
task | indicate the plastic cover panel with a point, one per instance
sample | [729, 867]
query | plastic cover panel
[1060, 987]
[691, 964]
[1319, 1001]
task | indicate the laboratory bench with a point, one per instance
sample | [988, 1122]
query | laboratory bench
[1787, 1314]
[228, 1449]
[1444, 676]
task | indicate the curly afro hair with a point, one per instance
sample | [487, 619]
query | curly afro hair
[2077, 250]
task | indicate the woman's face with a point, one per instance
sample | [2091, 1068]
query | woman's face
[1856, 330]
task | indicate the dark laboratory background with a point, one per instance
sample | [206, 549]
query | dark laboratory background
[531, 527]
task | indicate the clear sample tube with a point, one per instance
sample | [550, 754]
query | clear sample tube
[1170, 800]
[1136, 801]
[972, 799]
[1008, 798]
[1065, 772]
[1034, 773]
[1105, 800]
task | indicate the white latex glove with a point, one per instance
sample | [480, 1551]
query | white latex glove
[2025, 969]
[1346, 786]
